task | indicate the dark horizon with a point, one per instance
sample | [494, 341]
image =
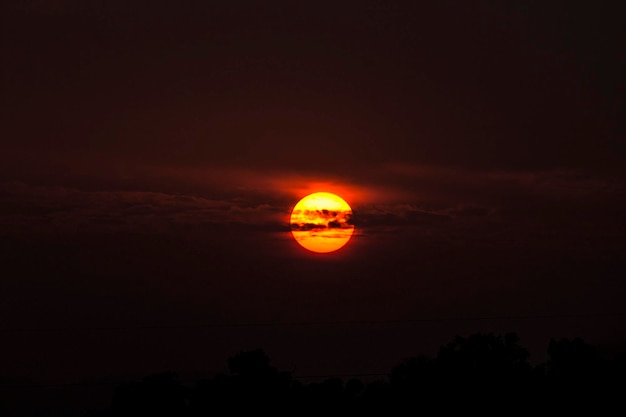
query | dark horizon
[482, 371]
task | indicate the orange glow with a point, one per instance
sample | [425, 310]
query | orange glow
[321, 222]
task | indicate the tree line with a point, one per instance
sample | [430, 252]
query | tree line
[483, 373]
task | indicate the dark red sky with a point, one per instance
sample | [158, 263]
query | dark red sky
[150, 154]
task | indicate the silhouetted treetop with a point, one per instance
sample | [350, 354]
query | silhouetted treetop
[485, 373]
[572, 359]
[483, 355]
[254, 362]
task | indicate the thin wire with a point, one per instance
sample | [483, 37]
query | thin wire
[306, 323]
[122, 382]
[277, 324]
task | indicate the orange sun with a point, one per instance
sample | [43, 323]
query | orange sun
[321, 222]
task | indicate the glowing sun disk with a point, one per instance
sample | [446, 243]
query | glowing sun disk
[322, 222]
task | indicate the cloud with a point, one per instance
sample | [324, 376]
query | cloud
[392, 198]
[26, 207]
[307, 227]
[399, 216]
[559, 182]
[404, 190]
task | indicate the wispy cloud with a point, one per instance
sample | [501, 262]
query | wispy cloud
[29, 208]
[389, 198]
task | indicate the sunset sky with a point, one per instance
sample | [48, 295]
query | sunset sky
[151, 153]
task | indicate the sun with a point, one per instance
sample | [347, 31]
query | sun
[322, 222]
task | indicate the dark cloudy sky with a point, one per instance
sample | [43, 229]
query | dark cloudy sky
[150, 153]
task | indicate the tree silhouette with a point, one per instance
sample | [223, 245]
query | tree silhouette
[251, 364]
[573, 361]
[482, 372]
[486, 374]
[576, 375]
[253, 385]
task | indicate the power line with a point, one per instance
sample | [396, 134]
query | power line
[307, 323]
[123, 382]
[340, 376]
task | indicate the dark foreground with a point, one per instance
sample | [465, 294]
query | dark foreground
[484, 373]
